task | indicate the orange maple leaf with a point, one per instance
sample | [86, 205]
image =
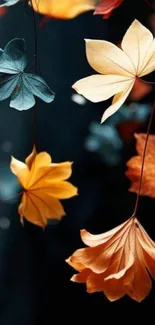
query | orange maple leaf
[44, 183]
[117, 262]
[135, 163]
[105, 7]
[65, 9]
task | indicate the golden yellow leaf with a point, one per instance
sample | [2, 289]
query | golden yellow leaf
[63, 9]
[116, 262]
[44, 184]
[118, 68]
[135, 163]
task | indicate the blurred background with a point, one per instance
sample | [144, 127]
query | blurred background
[35, 287]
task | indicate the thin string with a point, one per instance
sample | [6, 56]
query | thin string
[35, 108]
[143, 161]
[151, 5]
[35, 71]
[11, 198]
[148, 82]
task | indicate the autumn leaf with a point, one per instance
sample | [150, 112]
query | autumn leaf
[116, 262]
[44, 183]
[140, 88]
[66, 9]
[118, 68]
[135, 163]
[105, 7]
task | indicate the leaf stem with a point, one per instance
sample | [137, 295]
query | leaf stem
[143, 160]
[151, 5]
[148, 82]
[35, 38]
[35, 70]
[13, 197]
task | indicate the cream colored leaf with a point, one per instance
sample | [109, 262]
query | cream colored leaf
[149, 61]
[136, 43]
[97, 88]
[106, 58]
[117, 102]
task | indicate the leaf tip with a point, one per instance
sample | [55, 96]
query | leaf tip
[87, 40]
[82, 232]
[12, 160]
[136, 135]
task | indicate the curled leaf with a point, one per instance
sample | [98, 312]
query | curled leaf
[44, 183]
[116, 262]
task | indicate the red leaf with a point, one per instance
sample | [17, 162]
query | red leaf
[105, 7]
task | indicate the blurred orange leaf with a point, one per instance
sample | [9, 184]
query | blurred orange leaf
[105, 7]
[135, 163]
[127, 128]
[65, 9]
[44, 184]
[3, 11]
[117, 262]
[140, 90]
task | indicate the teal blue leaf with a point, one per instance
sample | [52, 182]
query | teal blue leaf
[28, 86]
[7, 85]
[39, 87]
[13, 59]
[14, 82]
[22, 97]
[8, 3]
[105, 140]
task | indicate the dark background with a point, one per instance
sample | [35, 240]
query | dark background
[35, 287]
